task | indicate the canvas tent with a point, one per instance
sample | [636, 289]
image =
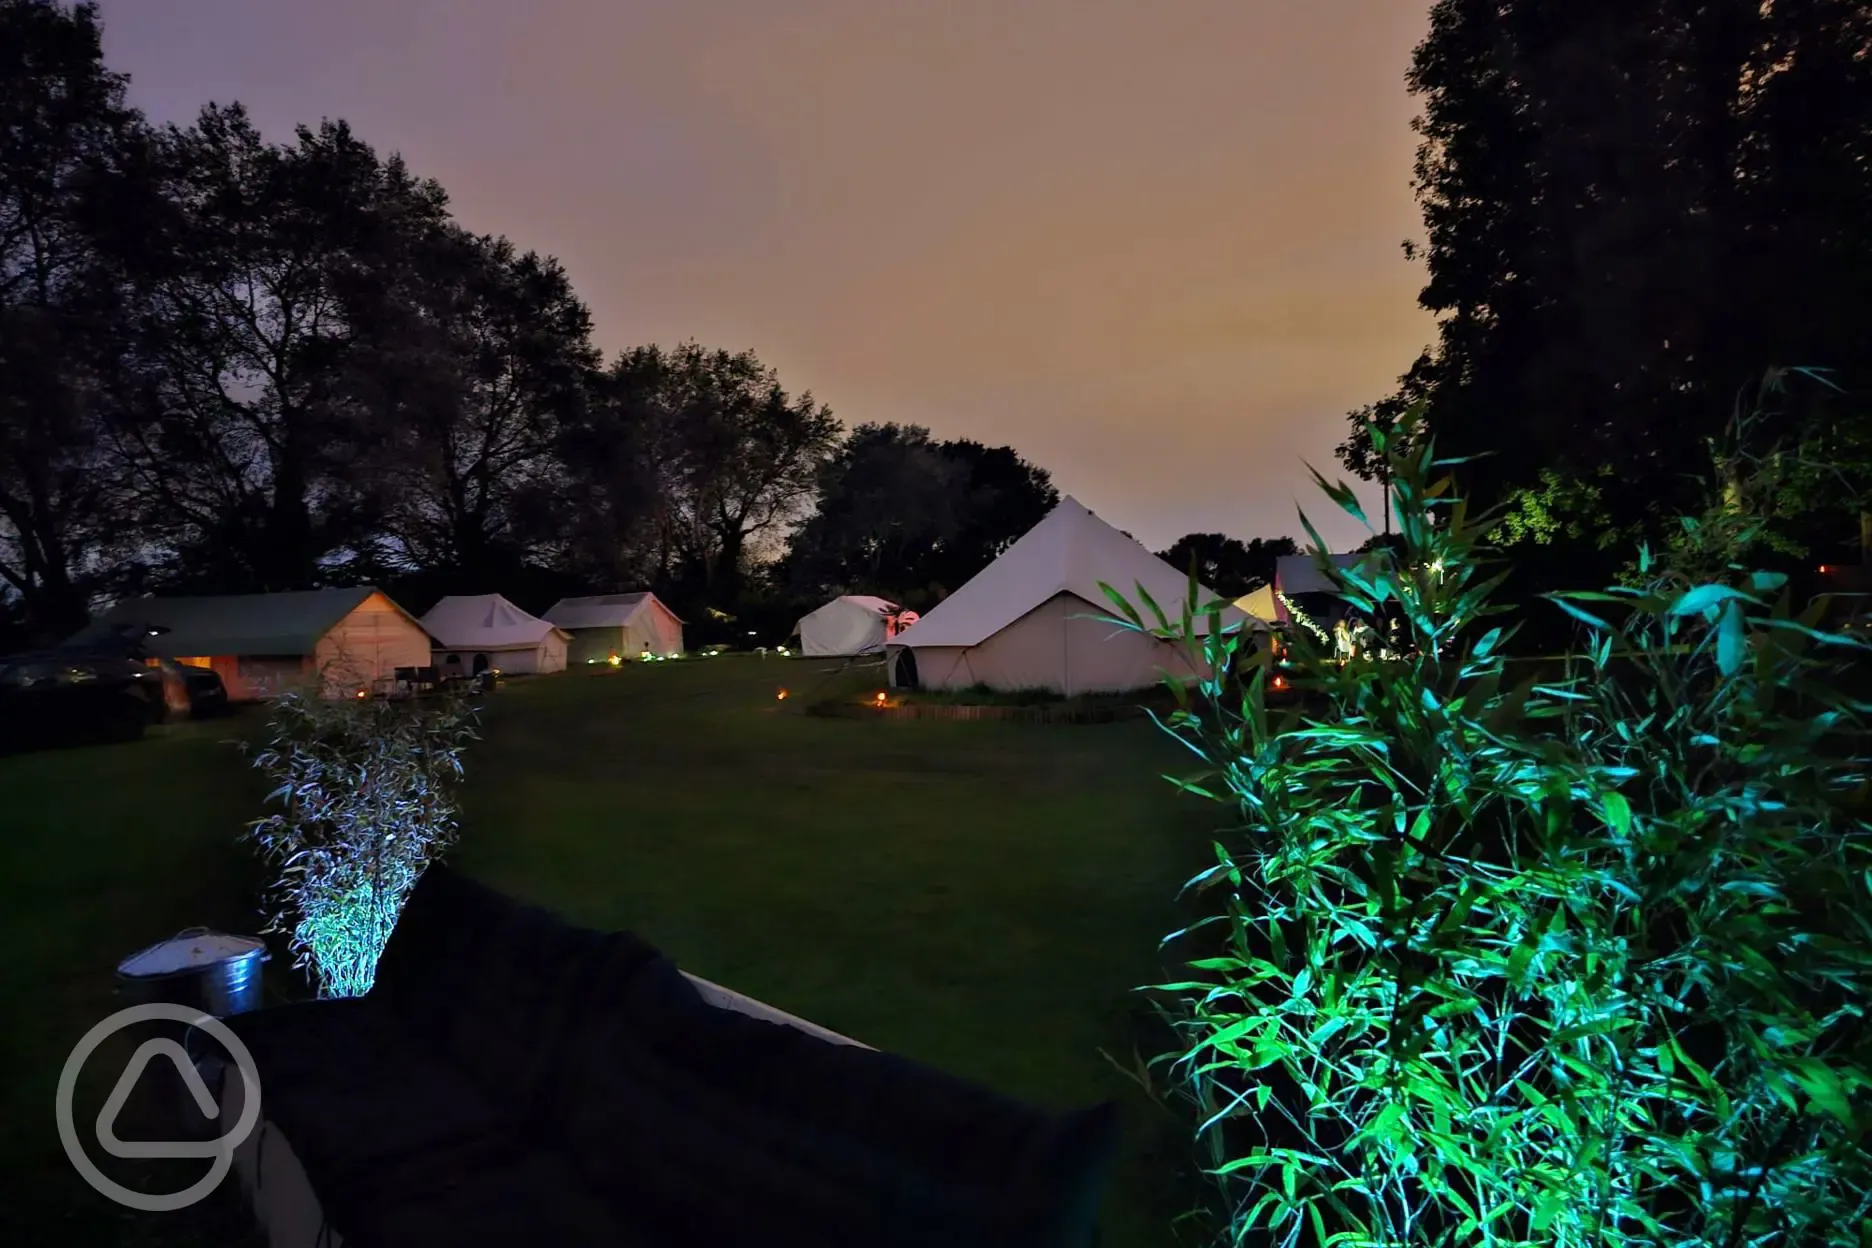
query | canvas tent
[1300, 581]
[625, 626]
[475, 631]
[852, 624]
[339, 640]
[1022, 622]
[1260, 604]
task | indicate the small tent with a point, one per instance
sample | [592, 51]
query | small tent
[852, 624]
[1026, 620]
[339, 640]
[478, 631]
[1260, 604]
[622, 626]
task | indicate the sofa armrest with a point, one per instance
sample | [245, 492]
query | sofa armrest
[728, 999]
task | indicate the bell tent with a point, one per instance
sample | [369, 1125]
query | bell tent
[1026, 620]
[853, 624]
[478, 631]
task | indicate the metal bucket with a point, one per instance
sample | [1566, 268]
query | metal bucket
[209, 971]
[200, 970]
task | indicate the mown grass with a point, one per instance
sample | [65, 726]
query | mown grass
[978, 896]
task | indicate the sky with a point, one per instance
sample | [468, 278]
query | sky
[1155, 247]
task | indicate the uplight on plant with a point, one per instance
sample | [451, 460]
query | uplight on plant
[365, 797]
[1573, 955]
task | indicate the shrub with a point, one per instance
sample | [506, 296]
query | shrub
[366, 795]
[1579, 960]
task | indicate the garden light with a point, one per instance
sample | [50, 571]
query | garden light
[1280, 682]
[363, 693]
[616, 661]
[880, 698]
[781, 695]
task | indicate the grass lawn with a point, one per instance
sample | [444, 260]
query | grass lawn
[979, 896]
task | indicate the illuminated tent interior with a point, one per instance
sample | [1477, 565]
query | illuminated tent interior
[469, 627]
[1260, 604]
[1023, 621]
[624, 626]
[851, 624]
[264, 644]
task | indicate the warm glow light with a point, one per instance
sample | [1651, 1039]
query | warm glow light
[1280, 682]
[880, 698]
[363, 693]
[615, 661]
[1825, 568]
[782, 695]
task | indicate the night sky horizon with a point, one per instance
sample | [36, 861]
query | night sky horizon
[1156, 251]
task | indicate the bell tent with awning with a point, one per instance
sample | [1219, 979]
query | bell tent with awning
[1026, 620]
[475, 631]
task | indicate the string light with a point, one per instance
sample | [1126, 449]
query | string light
[1302, 618]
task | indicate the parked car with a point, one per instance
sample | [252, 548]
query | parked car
[50, 699]
[203, 694]
[186, 692]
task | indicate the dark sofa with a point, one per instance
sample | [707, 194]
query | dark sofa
[512, 1079]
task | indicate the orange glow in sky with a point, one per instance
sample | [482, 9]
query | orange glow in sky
[1155, 247]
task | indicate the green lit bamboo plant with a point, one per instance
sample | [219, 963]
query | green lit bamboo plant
[365, 790]
[1571, 957]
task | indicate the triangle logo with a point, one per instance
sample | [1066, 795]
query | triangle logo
[114, 1103]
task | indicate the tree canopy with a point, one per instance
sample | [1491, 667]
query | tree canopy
[905, 516]
[1631, 212]
[1227, 565]
[230, 363]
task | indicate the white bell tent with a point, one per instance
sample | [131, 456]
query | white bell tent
[1024, 621]
[852, 624]
[475, 631]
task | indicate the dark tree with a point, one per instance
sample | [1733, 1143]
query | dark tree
[1006, 497]
[68, 146]
[614, 518]
[890, 502]
[1631, 211]
[725, 457]
[1228, 566]
[902, 515]
[250, 448]
[468, 371]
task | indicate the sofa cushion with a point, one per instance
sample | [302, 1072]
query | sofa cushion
[495, 986]
[698, 1116]
[366, 1109]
